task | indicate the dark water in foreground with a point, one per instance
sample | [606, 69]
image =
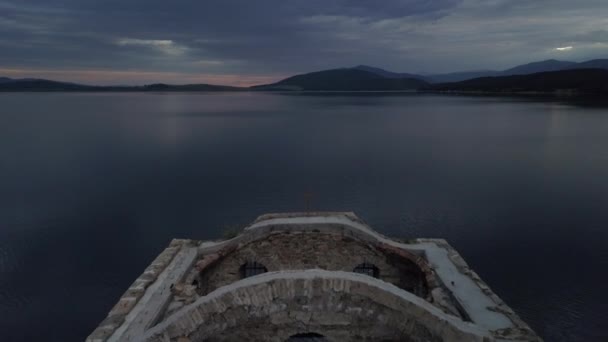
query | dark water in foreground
[93, 186]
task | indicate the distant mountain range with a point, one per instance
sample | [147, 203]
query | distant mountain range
[543, 66]
[390, 74]
[530, 68]
[347, 79]
[570, 81]
[433, 78]
[30, 84]
[364, 77]
[544, 76]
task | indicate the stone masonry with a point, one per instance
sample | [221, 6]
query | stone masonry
[308, 250]
[310, 275]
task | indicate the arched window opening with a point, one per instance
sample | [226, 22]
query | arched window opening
[252, 268]
[411, 276]
[307, 337]
[367, 269]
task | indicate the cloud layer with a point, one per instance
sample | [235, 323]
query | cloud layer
[243, 41]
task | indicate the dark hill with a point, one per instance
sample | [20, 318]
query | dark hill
[461, 76]
[542, 66]
[47, 85]
[187, 87]
[41, 85]
[389, 74]
[592, 64]
[589, 81]
[525, 69]
[343, 80]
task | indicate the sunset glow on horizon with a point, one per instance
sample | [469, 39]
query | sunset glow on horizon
[129, 77]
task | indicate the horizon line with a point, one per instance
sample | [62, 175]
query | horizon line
[110, 78]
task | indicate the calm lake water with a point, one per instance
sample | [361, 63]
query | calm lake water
[93, 186]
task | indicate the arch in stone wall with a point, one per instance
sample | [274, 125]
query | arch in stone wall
[345, 224]
[299, 250]
[251, 268]
[337, 305]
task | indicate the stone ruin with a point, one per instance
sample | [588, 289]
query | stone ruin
[310, 277]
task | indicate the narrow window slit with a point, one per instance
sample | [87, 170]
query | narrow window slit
[252, 268]
[367, 269]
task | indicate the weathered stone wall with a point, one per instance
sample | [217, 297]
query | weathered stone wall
[309, 250]
[338, 305]
[129, 299]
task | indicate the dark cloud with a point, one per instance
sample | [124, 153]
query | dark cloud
[599, 36]
[280, 37]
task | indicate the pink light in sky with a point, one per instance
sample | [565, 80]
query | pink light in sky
[131, 77]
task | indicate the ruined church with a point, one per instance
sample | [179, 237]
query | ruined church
[310, 277]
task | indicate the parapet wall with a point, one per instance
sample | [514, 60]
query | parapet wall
[274, 306]
[128, 301]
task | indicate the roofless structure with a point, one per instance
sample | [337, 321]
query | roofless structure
[310, 277]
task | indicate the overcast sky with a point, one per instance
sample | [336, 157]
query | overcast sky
[243, 42]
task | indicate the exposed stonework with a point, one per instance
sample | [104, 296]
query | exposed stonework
[307, 250]
[195, 290]
[340, 306]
